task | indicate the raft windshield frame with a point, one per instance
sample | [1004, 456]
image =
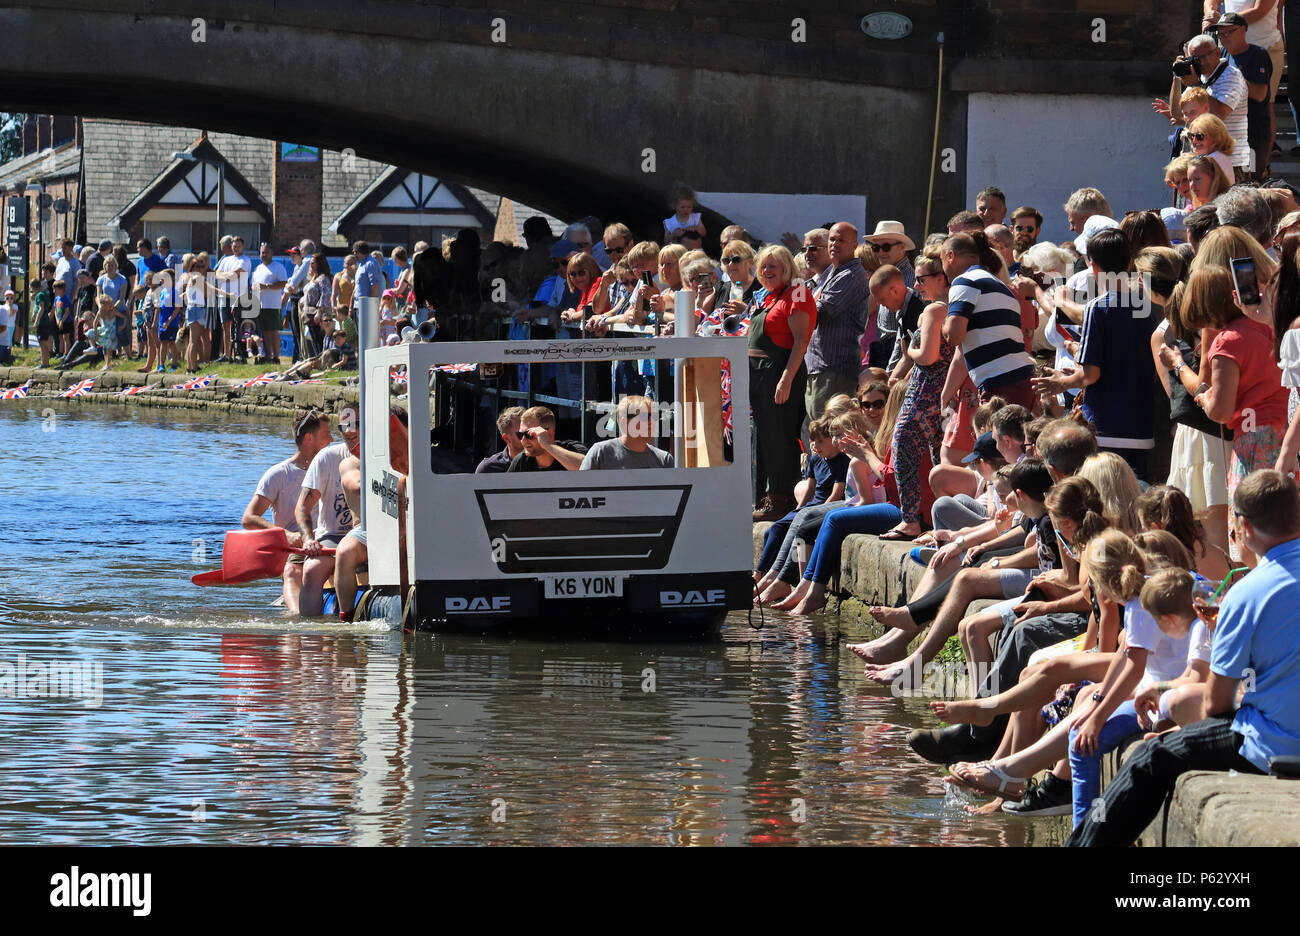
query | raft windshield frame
[653, 542]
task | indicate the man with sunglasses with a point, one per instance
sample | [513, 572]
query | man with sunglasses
[1026, 225]
[279, 489]
[540, 451]
[891, 244]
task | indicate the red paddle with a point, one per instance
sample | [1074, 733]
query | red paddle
[249, 555]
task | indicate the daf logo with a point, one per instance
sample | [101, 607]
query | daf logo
[714, 596]
[496, 603]
[581, 503]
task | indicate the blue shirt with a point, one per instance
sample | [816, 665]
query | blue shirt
[114, 288]
[368, 276]
[1258, 641]
[826, 474]
[1117, 339]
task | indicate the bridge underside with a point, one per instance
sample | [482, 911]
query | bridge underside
[571, 134]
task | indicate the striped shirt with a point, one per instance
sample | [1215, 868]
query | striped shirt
[1230, 89]
[994, 346]
[842, 301]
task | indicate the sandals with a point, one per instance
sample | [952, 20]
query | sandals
[898, 535]
[1000, 788]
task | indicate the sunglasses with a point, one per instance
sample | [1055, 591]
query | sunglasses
[922, 277]
[522, 434]
[616, 251]
[297, 430]
[811, 248]
[731, 260]
[1195, 137]
[872, 404]
[888, 245]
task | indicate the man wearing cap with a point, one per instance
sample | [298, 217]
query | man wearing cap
[891, 244]
[1256, 66]
[843, 295]
[8, 315]
[96, 264]
[269, 279]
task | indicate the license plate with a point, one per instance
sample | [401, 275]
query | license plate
[584, 586]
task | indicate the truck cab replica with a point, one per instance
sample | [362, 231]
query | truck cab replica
[610, 551]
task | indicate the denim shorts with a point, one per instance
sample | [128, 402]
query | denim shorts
[196, 315]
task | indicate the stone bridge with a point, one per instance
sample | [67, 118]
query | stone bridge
[597, 106]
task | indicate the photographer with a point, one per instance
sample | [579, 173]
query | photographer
[1256, 66]
[1204, 65]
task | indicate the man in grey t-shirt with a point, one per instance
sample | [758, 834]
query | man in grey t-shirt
[632, 449]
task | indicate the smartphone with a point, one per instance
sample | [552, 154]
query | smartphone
[1247, 283]
[648, 278]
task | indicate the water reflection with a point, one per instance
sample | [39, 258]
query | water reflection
[224, 723]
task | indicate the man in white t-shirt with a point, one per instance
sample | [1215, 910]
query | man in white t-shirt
[322, 485]
[232, 274]
[269, 279]
[279, 490]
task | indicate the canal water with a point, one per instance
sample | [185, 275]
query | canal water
[208, 717]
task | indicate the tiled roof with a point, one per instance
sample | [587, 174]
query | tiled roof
[34, 166]
[122, 157]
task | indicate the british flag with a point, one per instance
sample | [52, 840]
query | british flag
[399, 377]
[726, 399]
[294, 383]
[197, 383]
[17, 393]
[455, 368]
[713, 321]
[132, 391]
[261, 380]
[78, 389]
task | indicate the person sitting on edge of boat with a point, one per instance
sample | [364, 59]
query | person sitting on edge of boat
[540, 450]
[322, 485]
[352, 552]
[632, 448]
[508, 427]
[279, 489]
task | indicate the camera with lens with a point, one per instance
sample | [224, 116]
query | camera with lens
[1186, 66]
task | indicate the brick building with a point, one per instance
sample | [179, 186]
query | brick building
[123, 180]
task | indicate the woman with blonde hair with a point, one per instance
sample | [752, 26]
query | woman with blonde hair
[1206, 180]
[1176, 179]
[779, 332]
[1209, 137]
[1118, 487]
[1239, 383]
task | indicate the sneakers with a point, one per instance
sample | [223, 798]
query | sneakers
[950, 745]
[1052, 797]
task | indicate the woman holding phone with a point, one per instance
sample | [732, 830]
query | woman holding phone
[1239, 383]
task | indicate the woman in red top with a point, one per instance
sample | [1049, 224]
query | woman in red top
[1243, 389]
[779, 331]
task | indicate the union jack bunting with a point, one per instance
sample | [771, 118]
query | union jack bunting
[17, 393]
[132, 391]
[261, 380]
[197, 383]
[399, 378]
[78, 389]
[294, 383]
[455, 368]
